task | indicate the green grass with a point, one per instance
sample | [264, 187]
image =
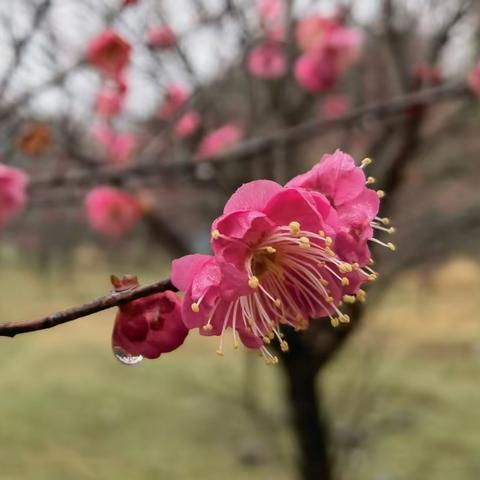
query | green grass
[403, 396]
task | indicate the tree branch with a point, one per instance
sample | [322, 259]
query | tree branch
[111, 300]
[255, 146]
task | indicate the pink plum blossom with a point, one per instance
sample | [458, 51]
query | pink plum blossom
[110, 100]
[270, 10]
[175, 97]
[282, 255]
[13, 183]
[220, 140]
[267, 60]
[317, 32]
[118, 146]
[149, 326]
[345, 186]
[187, 125]
[316, 71]
[335, 106]
[161, 37]
[329, 45]
[109, 53]
[272, 19]
[474, 80]
[111, 211]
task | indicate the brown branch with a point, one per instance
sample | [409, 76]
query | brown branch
[111, 300]
[288, 136]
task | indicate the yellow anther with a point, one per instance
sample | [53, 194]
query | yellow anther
[271, 335]
[385, 221]
[321, 263]
[344, 318]
[294, 228]
[330, 252]
[328, 241]
[324, 282]
[271, 250]
[304, 242]
[329, 299]
[345, 267]
[195, 307]
[278, 302]
[392, 230]
[253, 282]
[349, 299]
[334, 322]
[370, 180]
[391, 246]
[215, 234]
[361, 295]
[235, 344]
[208, 327]
[373, 277]
[366, 161]
[321, 233]
[345, 281]
[219, 352]
[266, 340]
[380, 193]
[284, 346]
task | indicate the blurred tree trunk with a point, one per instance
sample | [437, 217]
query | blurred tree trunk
[308, 419]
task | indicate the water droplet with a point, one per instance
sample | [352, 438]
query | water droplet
[124, 357]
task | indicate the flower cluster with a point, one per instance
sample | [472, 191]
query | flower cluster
[284, 255]
[110, 53]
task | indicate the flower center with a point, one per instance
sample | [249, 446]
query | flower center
[263, 261]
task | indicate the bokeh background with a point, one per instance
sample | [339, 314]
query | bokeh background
[393, 395]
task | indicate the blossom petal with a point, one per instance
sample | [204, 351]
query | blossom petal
[185, 268]
[293, 204]
[252, 196]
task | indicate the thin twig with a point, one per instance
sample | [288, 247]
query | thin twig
[111, 300]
